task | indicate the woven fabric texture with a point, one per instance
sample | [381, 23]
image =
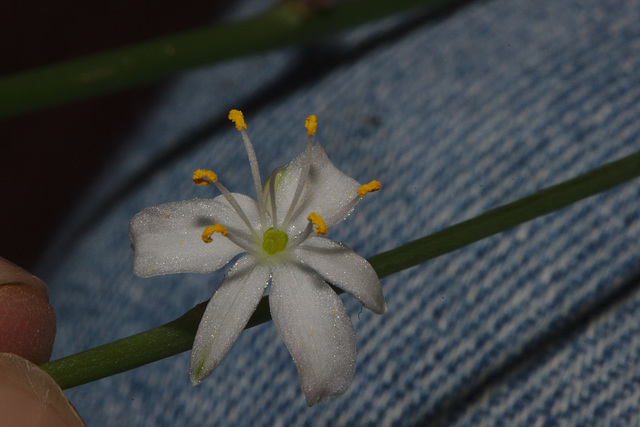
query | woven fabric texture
[455, 114]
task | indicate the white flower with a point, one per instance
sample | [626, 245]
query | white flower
[280, 233]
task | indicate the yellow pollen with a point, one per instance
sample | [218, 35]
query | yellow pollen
[368, 188]
[321, 227]
[204, 177]
[237, 117]
[311, 124]
[218, 228]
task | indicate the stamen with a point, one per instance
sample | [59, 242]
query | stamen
[234, 204]
[321, 227]
[237, 117]
[204, 177]
[311, 124]
[218, 228]
[362, 191]
[314, 219]
[368, 188]
[302, 236]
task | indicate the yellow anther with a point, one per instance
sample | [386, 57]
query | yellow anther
[218, 228]
[311, 124]
[368, 188]
[204, 177]
[237, 117]
[321, 227]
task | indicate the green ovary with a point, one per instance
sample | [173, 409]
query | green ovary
[274, 241]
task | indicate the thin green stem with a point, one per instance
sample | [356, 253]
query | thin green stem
[177, 336]
[507, 216]
[283, 25]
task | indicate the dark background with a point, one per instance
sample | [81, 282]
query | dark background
[48, 157]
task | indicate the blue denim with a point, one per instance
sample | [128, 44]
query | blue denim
[455, 116]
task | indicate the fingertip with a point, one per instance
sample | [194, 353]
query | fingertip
[28, 322]
[29, 396]
[11, 273]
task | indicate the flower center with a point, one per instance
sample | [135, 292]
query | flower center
[274, 241]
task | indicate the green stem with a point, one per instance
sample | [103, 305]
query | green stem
[284, 24]
[177, 336]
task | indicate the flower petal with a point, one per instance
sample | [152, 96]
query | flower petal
[328, 191]
[226, 315]
[167, 239]
[316, 329]
[341, 266]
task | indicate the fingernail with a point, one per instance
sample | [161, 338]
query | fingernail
[11, 273]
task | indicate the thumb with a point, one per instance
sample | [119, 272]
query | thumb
[30, 397]
[27, 320]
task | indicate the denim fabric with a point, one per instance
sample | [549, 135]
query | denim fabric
[455, 116]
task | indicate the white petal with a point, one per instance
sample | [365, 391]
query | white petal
[167, 239]
[342, 267]
[226, 315]
[316, 329]
[328, 191]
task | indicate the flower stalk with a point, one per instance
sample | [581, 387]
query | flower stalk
[177, 336]
[283, 25]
